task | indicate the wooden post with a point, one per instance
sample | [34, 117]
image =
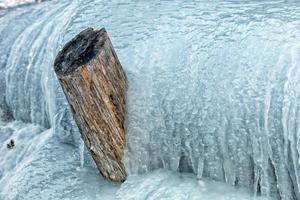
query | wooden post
[95, 85]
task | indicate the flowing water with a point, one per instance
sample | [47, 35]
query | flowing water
[213, 93]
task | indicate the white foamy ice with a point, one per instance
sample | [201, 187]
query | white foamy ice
[11, 3]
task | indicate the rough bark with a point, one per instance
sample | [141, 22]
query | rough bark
[95, 84]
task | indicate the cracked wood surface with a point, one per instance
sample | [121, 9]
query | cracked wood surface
[95, 85]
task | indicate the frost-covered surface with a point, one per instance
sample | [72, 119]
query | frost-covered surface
[213, 90]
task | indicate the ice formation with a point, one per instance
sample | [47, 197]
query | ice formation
[213, 90]
[11, 3]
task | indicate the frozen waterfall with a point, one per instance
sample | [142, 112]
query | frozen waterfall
[214, 91]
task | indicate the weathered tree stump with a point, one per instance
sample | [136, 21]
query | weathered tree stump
[95, 85]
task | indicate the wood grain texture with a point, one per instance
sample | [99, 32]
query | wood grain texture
[95, 85]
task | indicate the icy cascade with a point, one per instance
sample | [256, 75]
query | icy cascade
[213, 90]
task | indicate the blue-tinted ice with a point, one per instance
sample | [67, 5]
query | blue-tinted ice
[213, 90]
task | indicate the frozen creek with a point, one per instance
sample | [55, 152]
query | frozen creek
[213, 93]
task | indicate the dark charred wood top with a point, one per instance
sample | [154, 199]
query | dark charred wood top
[80, 50]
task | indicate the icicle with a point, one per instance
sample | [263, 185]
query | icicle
[81, 153]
